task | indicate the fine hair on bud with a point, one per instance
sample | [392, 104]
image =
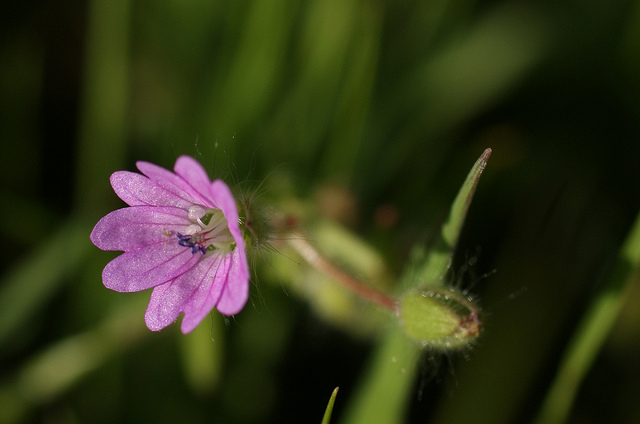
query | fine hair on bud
[254, 221]
[440, 318]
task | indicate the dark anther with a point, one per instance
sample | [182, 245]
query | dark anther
[185, 240]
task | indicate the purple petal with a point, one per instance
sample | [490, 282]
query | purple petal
[138, 226]
[193, 173]
[195, 293]
[236, 285]
[136, 189]
[172, 183]
[148, 267]
[184, 282]
[205, 298]
[224, 200]
[164, 306]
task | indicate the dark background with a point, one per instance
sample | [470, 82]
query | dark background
[388, 104]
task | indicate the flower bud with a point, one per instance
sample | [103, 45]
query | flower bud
[440, 318]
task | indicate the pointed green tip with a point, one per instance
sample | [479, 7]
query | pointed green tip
[437, 263]
[329, 410]
[451, 230]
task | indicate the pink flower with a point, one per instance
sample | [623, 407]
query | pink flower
[181, 236]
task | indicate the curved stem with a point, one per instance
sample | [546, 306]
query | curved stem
[323, 264]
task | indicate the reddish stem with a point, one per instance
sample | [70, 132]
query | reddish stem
[323, 264]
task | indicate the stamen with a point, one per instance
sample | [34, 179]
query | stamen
[208, 233]
[187, 241]
[192, 229]
[196, 212]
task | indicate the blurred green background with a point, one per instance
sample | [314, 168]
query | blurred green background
[369, 112]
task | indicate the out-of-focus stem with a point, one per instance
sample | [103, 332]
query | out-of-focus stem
[323, 264]
[592, 332]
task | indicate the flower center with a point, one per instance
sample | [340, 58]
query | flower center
[208, 232]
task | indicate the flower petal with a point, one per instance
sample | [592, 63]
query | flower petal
[172, 183]
[205, 298]
[148, 267]
[185, 282]
[165, 306]
[136, 189]
[195, 293]
[235, 292]
[223, 199]
[138, 226]
[193, 173]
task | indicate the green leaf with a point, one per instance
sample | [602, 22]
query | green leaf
[439, 258]
[329, 410]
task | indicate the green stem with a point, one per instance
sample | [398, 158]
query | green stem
[592, 332]
[384, 393]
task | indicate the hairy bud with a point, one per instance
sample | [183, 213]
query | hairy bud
[440, 318]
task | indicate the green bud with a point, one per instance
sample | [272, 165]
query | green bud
[440, 318]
